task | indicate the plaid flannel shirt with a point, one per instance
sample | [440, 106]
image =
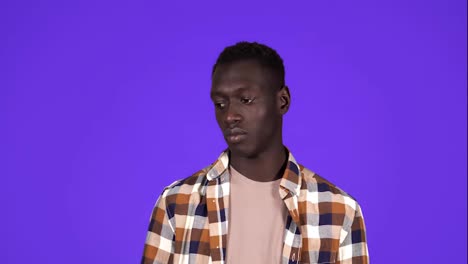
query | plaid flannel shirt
[189, 222]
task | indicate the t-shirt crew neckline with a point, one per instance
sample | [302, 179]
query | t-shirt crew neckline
[242, 178]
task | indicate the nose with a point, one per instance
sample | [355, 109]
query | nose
[232, 116]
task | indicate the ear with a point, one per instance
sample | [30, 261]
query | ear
[284, 99]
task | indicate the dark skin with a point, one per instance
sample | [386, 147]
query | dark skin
[250, 102]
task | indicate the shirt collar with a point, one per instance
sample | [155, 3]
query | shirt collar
[290, 182]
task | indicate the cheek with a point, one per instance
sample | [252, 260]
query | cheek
[220, 125]
[263, 122]
[218, 118]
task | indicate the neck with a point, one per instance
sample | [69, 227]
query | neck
[267, 166]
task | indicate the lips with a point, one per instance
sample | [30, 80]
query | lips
[234, 135]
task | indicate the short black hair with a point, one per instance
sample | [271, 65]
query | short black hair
[261, 53]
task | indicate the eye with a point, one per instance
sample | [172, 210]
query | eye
[220, 105]
[246, 100]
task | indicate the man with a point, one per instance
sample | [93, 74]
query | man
[255, 204]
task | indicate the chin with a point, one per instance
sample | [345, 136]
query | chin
[243, 150]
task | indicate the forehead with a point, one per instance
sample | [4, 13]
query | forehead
[247, 74]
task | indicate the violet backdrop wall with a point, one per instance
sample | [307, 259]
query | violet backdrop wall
[103, 103]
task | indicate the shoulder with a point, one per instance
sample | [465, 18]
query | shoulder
[326, 190]
[186, 186]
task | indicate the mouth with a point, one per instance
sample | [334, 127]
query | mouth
[234, 135]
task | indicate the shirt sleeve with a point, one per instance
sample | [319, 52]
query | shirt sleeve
[353, 249]
[159, 245]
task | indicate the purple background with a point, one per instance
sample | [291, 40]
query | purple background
[103, 103]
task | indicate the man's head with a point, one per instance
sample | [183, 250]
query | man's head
[250, 97]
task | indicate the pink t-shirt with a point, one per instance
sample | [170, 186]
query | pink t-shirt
[257, 220]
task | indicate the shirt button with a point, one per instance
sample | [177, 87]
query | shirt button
[214, 201]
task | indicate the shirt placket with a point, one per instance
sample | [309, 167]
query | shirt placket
[292, 250]
[217, 227]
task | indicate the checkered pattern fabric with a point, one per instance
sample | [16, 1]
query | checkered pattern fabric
[189, 221]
